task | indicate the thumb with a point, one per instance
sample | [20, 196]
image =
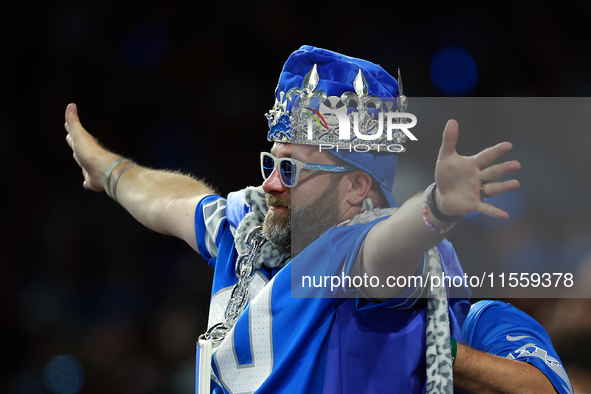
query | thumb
[450, 138]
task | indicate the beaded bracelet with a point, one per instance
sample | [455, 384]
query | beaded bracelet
[425, 209]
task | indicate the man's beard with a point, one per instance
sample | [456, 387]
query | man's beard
[300, 226]
[277, 224]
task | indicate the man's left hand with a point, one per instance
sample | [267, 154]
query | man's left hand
[459, 178]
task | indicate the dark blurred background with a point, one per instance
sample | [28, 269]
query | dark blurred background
[184, 85]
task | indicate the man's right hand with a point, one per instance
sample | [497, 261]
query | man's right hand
[92, 158]
[163, 201]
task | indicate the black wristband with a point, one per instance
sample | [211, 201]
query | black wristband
[436, 212]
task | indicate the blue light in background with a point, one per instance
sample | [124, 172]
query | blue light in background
[63, 375]
[146, 45]
[453, 71]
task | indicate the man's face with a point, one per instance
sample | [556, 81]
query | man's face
[299, 215]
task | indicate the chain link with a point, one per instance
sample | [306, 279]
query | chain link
[245, 271]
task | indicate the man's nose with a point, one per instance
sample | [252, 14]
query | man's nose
[273, 184]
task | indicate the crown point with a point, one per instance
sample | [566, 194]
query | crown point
[360, 84]
[311, 79]
[400, 83]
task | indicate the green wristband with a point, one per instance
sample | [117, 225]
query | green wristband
[454, 350]
[108, 174]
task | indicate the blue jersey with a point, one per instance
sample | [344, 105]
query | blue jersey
[503, 330]
[283, 343]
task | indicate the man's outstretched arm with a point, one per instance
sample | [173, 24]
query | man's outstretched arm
[395, 246]
[483, 373]
[163, 201]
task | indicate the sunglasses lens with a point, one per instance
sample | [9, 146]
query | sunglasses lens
[268, 165]
[288, 172]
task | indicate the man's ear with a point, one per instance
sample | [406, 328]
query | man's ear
[359, 186]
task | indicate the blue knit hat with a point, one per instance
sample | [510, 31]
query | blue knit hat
[335, 75]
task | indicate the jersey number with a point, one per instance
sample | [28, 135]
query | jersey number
[248, 377]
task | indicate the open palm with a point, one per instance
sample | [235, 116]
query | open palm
[459, 178]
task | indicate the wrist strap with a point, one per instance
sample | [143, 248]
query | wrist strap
[108, 174]
[436, 212]
[116, 179]
[425, 210]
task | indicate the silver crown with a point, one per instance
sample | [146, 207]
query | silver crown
[307, 116]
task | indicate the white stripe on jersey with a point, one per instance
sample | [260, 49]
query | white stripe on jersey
[247, 378]
[214, 213]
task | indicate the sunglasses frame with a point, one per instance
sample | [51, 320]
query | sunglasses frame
[299, 165]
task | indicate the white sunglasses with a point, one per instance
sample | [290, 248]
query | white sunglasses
[289, 169]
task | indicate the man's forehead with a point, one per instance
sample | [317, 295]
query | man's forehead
[280, 149]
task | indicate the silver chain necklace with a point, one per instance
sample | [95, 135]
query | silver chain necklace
[245, 271]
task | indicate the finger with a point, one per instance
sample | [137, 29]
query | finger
[75, 128]
[450, 138]
[494, 189]
[76, 158]
[86, 183]
[492, 153]
[69, 141]
[492, 211]
[71, 112]
[72, 120]
[498, 170]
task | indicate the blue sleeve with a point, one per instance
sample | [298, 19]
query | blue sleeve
[236, 208]
[414, 290]
[403, 301]
[216, 218]
[210, 223]
[501, 329]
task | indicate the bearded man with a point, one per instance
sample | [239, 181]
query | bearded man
[324, 211]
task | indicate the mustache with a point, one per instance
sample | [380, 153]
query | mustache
[277, 201]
